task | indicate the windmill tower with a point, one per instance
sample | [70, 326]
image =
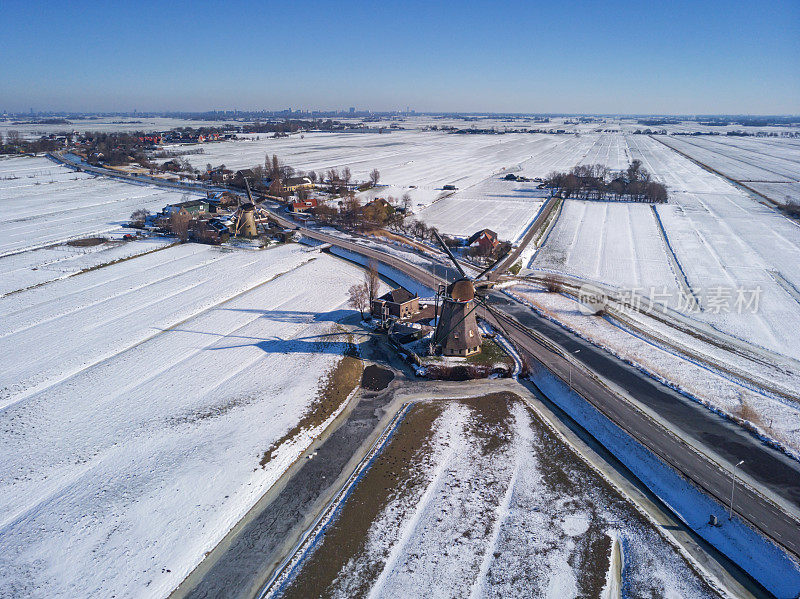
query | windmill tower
[457, 331]
[245, 217]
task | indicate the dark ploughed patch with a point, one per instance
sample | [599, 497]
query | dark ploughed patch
[376, 378]
[87, 242]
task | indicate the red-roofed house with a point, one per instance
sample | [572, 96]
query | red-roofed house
[304, 205]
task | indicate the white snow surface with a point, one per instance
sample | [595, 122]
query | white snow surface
[613, 242]
[722, 240]
[743, 158]
[36, 267]
[138, 400]
[43, 203]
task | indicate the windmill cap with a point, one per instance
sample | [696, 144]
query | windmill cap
[463, 290]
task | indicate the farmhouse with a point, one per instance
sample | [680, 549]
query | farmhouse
[209, 230]
[398, 303]
[241, 175]
[303, 205]
[486, 239]
[193, 207]
[292, 184]
[220, 174]
[378, 203]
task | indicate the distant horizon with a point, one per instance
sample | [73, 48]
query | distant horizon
[344, 112]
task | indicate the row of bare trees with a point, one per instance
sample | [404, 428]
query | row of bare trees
[598, 182]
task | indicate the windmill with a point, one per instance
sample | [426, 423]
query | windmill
[457, 330]
[245, 217]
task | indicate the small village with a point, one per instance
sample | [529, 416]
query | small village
[441, 337]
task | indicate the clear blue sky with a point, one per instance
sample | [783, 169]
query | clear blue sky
[609, 57]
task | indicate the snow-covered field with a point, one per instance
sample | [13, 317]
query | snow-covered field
[505, 207]
[509, 207]
[725, 240]
[42, 203]
[770, 166]
[612, 242]
[427, 160]
[743, 158]
[137, 402]
[484, 501]
[729, 247]
[106, 125]
[35, 267]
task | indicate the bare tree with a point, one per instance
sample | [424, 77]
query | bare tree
[13, 138]
[275, 188]
[374, 177]
[419, 229]
[312, 175]
[358, 298]
[372, 281]
[139, 217]
[405, 200]
[179, 223]
[346, 175]
[351, 210]
[332, 175]
[273, 168]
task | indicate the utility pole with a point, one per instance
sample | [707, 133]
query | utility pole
[733, 485]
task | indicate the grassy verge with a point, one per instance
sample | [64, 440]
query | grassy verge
[397, 472]
[491, 353]
[335, 387]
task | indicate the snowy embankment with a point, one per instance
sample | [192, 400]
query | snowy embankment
[393, 274]
[43, 203]
[139, 402]
[493, 505]
[763, 560]
[773, 417]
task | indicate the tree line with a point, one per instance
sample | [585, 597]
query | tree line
[14, 143]
[598, 182]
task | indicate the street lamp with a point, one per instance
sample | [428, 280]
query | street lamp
[733, 485]
[577, 351]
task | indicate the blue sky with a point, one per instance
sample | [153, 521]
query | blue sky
[605, 57]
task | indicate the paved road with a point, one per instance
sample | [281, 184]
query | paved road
[685, 418]
[548, 206]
